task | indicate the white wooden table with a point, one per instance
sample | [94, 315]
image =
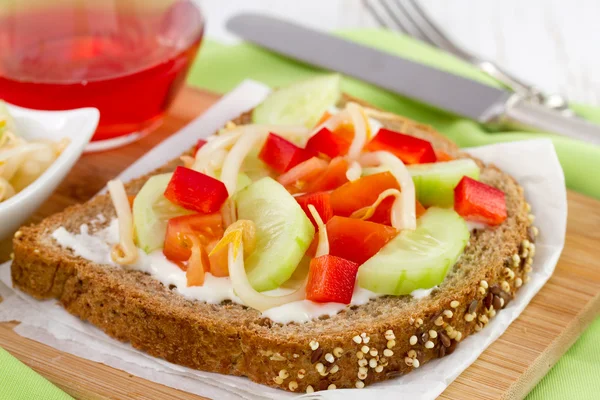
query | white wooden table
[551, 43]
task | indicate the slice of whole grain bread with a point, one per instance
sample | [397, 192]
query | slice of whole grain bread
[387, 337]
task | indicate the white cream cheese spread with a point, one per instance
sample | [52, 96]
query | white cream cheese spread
[96, 247]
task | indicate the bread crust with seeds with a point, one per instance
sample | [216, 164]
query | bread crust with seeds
[389, 336]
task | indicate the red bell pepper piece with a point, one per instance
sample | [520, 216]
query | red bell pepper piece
[333, 177]
[199, 145]
[331, 279]
[409, 149]
[195, 191]
[321, 202]
[281, 154]
[362, 192]
[357, 240]
[479, 202]
[328, 143]
[303, 172]
[178, 244]
[383, 213]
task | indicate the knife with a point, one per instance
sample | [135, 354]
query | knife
[457, 95]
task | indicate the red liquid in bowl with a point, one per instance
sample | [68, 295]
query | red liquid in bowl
[127, 63]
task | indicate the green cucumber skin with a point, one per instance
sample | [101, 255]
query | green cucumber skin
[435, 183]
[405, 264]
[275, 258]
[150, 237]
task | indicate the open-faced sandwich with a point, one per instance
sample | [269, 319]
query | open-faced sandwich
[313, 243]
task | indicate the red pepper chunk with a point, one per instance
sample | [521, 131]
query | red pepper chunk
[357, 240]
[479, 202]
[322, 203]
[333, 177]
[331, 279]
[409, 149]
[328, 143]
[281, 154]
[195, 191]
[362, 192]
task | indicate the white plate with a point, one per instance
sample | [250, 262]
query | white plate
[77, 125]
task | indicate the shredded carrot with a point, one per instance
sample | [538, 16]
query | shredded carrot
[419, 209]
[197, 264]
[441, 155]
[326, 115]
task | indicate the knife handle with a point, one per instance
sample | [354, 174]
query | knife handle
[524, 115]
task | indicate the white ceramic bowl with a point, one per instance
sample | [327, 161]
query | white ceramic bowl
[78, 125]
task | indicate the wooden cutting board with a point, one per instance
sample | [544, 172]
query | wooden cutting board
[508, 369]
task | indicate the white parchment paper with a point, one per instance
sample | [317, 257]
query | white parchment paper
[533, 163]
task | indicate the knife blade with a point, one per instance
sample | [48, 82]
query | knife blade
[434, 87]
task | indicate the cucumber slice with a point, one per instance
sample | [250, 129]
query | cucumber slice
[243, 181]
[283, 232]
[254, 167]
[435, 183]
[417, 259]
[301, 103]
[151, 211]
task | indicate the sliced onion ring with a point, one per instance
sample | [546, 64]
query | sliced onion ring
[125, 252]
[360, 122]
[323, 247]
[220, 142]
[244, 230]
[368, 211]
[404, 215]
[332, 122]
[245, 291]
[229, 212]
[235, 158]
[354, 171]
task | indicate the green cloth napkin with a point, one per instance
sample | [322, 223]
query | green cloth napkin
[19, 382]
[221, 67]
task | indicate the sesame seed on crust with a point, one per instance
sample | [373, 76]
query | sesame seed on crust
[338, 352]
